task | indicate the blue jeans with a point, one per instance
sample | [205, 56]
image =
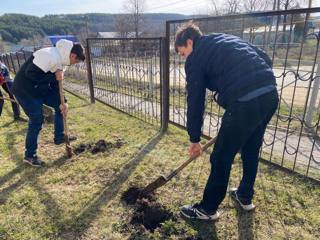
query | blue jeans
[33, 109]
[242, 129]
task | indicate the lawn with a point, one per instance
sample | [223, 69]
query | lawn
[80, 198]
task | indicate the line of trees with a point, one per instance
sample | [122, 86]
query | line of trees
[238, 6]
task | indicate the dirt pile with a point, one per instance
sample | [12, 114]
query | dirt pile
[99, 146]
[148, 212]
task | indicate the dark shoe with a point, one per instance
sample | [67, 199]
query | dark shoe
[196, 212]
[245, 204]
[34, 161]
[60, 141]
[20, 119]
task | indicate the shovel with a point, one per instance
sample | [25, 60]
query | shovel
[8, 99]
[65, 125]
[162, 180]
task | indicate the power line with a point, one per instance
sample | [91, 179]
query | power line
[175, 3]
[166, 5]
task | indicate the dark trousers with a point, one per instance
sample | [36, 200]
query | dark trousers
[242, 129]
[33, 109]
[7, 86]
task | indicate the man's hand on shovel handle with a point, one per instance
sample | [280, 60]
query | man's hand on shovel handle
[195, 149]
[64, 109]
[59, 75]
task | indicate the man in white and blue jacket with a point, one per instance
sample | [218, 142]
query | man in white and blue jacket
[36, 84]
[241, 76]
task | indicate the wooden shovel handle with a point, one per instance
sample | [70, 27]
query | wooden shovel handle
[186, 163]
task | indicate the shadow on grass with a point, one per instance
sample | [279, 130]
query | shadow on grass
[10, 142]
[82, 221]
[206, 230]
[7, 124]
[29, 176]
[86, 104]
[245, 224]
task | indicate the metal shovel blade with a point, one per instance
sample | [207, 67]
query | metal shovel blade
[154, 185]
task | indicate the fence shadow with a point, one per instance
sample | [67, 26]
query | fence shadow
[206, 230]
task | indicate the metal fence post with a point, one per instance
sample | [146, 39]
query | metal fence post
[14, 68]
[150, 79]
[313, 99]
[17, 56]
[165, 59]
[89, 72]
[7, 62]
[118, 79]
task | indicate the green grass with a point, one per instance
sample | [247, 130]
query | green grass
[79, 198]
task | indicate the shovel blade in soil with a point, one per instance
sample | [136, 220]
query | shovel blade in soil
[160, 181]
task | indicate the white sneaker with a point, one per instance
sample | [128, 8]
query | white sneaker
[196, 212]
[246, 205]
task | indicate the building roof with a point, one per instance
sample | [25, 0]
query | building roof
[108, 34]
[115, 34]
[54, 39]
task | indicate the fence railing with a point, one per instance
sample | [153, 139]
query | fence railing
[126, 74]
[14, 60]
[145, 78]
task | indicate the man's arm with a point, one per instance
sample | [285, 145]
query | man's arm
[196, 101]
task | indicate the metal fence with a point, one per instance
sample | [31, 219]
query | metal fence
[14, 60]
[77, 81]
[292, 43]
[126, 74]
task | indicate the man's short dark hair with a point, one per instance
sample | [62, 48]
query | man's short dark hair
[79, 51]
[187, 31]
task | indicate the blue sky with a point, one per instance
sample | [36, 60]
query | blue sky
[43, 7]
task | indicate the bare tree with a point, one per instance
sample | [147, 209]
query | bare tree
[254, 5]
[227, 7]
[215, 9]
[135, 8]
[121, 25]
[233, 6]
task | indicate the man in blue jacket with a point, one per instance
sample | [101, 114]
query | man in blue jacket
[241, 76]
[36, 83]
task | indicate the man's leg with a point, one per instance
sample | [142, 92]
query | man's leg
[33, 109]
[15, 107]
[236, 127]
[53, 100]
[239, 123]
[225, 149]
[250, 152]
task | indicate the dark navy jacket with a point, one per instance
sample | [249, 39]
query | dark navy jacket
[227, 65]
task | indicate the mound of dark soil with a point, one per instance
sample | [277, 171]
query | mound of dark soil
[99, 146]
[148, 213]
[131, 196]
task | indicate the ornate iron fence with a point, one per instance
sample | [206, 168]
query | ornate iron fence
[126, 74]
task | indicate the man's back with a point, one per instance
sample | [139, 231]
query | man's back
[229, 66]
